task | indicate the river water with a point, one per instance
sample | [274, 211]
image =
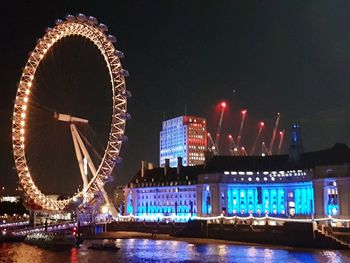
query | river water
[143, 250]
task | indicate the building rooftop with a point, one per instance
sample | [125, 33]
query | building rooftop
[339, 154]
[187, 175]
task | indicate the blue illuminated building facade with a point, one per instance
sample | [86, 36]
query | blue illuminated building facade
[296, 185]
[277, 193]
[275, 199]
[184, 137]
[156, 202]
[153, 194]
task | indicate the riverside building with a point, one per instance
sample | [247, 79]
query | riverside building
[295, 185]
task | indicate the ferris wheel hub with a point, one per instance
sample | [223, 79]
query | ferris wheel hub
[69, 118]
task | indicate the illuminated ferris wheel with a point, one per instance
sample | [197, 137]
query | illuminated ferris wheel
[89, 29]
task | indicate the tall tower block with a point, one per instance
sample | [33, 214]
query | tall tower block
[186, 137]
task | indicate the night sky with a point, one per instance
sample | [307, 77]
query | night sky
[291, 57]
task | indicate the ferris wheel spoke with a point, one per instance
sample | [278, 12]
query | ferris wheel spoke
[88, 143]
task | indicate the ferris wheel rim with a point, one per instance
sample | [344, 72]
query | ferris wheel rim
[96, 33]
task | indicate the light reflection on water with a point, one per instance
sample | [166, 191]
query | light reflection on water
[142, 250]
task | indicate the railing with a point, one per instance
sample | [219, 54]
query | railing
[327, 231]
[174, 217]
[14, 224]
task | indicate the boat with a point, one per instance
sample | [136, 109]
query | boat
[104, 246]
[52, 240]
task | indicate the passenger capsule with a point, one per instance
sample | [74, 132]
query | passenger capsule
[70, 18]
[127, 94]
[118, 160]
[81, 17]
[58, 22]
[119, 53]
[112, 39]
[92, 20]
[123, 138]
[125, 115]
[103, 27]
[124, 72]
[109, 179]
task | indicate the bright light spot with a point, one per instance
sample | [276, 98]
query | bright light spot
[262, 123]
[223, 104]
[104, 209]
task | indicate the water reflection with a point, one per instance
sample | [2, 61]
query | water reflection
[268, 255]
[252, 252]
[139, 250]
[331, 256]
[74, 255]
[222, 250]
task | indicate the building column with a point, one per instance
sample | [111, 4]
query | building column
[199, 199]
[223, 198]
[319, 200]
[216, 199]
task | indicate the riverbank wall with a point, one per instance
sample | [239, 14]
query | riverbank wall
[292, 234]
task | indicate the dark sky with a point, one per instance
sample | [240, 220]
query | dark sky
[291, 57]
